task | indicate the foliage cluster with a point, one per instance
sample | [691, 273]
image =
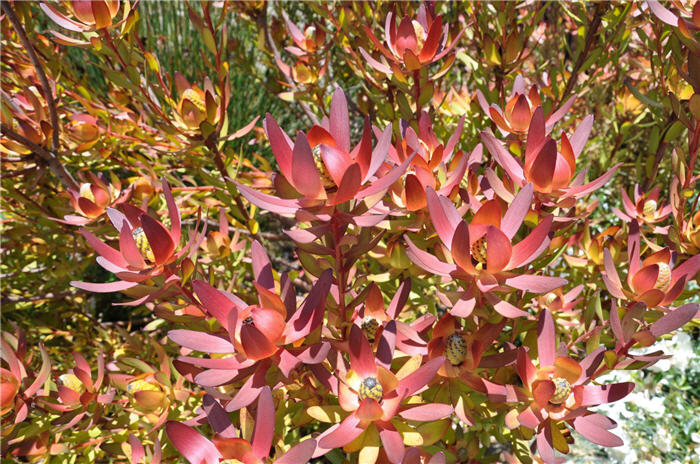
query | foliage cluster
[454, 221]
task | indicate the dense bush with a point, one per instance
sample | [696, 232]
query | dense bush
[454, 222]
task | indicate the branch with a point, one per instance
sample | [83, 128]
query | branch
[54, 164]
[48, 94]
[591, 35]
[271, 43]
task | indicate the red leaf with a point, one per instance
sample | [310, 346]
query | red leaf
[363, 151]
[545, 444]
[541, 172]
[545, 339]
[461, 252]
[536, 283]
[498, 250]
[201, 341]
[338, 120]
[361, 356]
[268, 202]
[427, 261]
[104, 288]
[444, 217]
[578, 140]
[255, 343]
[535, 137]
[280, 144]
[674, 319]
[419, 378]
[432, 41]
[104, 250]
[386, 345]
[662, 13]
[531, 246]
[427, 412]
[264, 425]
[215, 302]
[591, 429]
[349, 185]
[262, 269]
[406, 39]
[594, 395]
[60, 19]
[393, 443]
[382, 184]
[582, 190]
[342, 434]
[517, 211]
[194, 447]
[298, 453]
[415, 195]
[502, 157]
[305, 176]
[128, 248]
[159, 239]
[173, 213]
[520, 116]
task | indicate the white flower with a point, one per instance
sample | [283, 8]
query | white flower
[664, 440]
[654, 406]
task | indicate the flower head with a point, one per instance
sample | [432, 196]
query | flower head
[482, 251]
[93, 199]
[91, 15]
[559, 391]
[194, 105]
[321, 170]
[645, 208]
[146, 246]
[551, 170]
[411, 44]
[654, 280]
[372, 397]
[520, 109]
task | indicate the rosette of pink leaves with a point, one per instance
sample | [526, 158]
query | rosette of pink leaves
[80, 391]
[228, 443]
[381, 417]
[414, 43]
[645, 208]
[337, 174]
[433, 161]
[93, 199]
[502, 257]
[19, 388]
[408, 335]
[551, 170]
[258, 336]
[655, 280]
[128, 262]
[551, 405]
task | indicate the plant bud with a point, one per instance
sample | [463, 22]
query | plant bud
[649, 208]
[86, 192]
[371, 388]
[326, 179]
[562, 390]
[479, 250]
[143, 245]
[192, 108]
[455, 349]
[663, 280]
[72, 382]
[369, 327]
[420, 35]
